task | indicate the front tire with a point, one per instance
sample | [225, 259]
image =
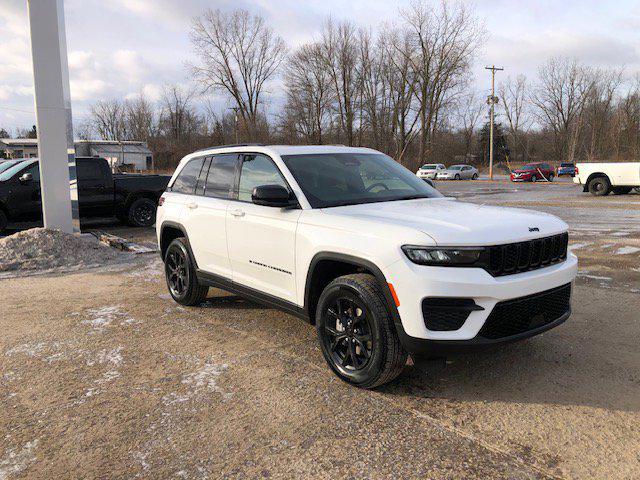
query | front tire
[457, 177]
[142, 212]
[534, 179]
[180, 273]
[356, 332]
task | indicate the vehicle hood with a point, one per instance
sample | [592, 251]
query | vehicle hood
[450, 222]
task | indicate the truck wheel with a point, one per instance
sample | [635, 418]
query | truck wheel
[3, 221]
[142, 212]
[180, 273]
[356, 332]
[599, 186]
[621, 190]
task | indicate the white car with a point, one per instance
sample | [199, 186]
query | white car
[603, 178]
[351, 241]
[458, 172]
[430, 170]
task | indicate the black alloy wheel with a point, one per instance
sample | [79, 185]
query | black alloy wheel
[347, 334]
[181, 276]
[356, 332]
[142, 212]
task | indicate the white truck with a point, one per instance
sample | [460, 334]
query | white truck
[351, 241]
[600, 179]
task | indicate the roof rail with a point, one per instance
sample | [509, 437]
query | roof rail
[231, 145]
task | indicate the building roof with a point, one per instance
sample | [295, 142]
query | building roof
[20, 141]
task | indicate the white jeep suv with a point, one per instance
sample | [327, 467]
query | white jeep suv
[351, 241]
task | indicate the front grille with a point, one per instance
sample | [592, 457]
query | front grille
[447, 314]
[529, 255]
[520, 315]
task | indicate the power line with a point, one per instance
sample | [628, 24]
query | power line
[16, 109]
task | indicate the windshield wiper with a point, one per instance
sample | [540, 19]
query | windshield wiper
[411, 197]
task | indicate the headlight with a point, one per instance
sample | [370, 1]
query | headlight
[445, 256]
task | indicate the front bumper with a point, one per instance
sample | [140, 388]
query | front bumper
[413, 283]
[520, 179]
[431, 176]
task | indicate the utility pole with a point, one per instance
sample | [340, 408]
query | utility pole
[492, 100]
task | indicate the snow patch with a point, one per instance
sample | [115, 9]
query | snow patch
[101, 318]
[15, 462]
[577, 246]
[627, 250]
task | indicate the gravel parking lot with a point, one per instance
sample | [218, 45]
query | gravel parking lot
[102, 375]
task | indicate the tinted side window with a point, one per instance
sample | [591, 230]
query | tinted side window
[258, 170]
[222, 175]
[186, 180]
[88, 170]
[34, 170]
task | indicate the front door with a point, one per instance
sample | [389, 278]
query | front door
[261, 240]
[27, 196]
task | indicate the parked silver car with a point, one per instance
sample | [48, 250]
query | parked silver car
[458, 172]
[430, 170]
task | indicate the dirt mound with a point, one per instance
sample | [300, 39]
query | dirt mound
[43, 249]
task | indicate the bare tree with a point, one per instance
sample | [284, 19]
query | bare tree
[560, 97]
[239, 54]
[515, 99]
[446, 38]
[141, 119]
[467, 115]
[309, 92]
[109, 119]
[340, 55]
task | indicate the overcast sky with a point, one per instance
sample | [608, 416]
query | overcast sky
[119, 48]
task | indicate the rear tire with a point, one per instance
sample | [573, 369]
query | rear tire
[599, 186]
[551, 177]
[475, 176]
[180, 273]
[142, 212]
[356, 332]
[4, 221]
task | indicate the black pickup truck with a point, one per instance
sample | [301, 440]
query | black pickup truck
[131, 198]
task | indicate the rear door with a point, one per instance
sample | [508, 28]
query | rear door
[261, 239]
[204, 214]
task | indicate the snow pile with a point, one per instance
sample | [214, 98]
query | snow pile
[43, 249]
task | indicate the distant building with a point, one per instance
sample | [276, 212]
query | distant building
[124, 156]
[19, 147]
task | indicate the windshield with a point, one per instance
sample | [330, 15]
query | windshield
[11, 171]
[8, 164]
[335, 179]
[429, 167]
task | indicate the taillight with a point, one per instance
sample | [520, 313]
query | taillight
[160, 201]
[575, 170]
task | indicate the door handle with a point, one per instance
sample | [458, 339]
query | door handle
[192, 205]
[237, 213]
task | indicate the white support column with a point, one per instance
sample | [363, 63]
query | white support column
[53, 115]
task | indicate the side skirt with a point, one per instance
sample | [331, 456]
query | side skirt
[216, 281]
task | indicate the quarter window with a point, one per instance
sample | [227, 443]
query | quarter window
[186, 180]
[258, 170]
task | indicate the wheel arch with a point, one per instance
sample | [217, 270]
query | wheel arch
[596, 175]
[169, 231]
[327, 266]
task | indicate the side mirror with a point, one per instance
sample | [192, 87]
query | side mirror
[272, 196]
[26, 178]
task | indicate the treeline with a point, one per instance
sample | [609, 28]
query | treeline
[404, 88]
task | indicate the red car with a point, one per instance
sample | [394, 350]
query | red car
[532, 172]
